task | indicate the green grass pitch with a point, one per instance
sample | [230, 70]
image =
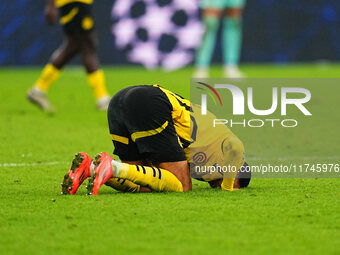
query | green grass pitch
[272, 216]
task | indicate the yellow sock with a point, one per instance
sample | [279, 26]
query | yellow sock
[151, 177]
[97, 83]
[228, 184]
[49, 74]
[123, 185]
[234, 153]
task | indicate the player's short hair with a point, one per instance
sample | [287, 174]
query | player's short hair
[244, 176]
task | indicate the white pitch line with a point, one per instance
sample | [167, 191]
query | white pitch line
[294, 158]
[248, 158]
[32, 164]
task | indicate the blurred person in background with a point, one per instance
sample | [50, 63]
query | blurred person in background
[231, 13]
[78, 27]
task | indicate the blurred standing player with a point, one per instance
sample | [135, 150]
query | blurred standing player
[78, 27]
[231, 13]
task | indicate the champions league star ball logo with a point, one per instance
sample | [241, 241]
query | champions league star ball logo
[157, 33]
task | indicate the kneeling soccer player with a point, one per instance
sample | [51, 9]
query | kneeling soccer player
[151, 131]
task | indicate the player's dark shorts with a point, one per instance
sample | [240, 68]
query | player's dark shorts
[141, 126]
[76, 18]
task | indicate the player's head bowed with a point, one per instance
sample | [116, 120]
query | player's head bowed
[243, 176]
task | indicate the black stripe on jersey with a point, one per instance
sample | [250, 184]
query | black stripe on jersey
[123, 181]
[154, 172]
[184, 142]
[187, 107]
[175, 94]
[159, 173]
[137, 168]
[194, 129]
[144, 172]
[178, 98]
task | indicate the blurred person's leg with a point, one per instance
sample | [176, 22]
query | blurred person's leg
[52, 70]
[211, 13]
[95, 76]
[232, 38]
[78, 27]
[59, 59]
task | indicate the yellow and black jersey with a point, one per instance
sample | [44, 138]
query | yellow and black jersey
[216, 153]
[201, 141]
[206, 148]
[60, 3]
[148, 122]
[180, 115]
[153, 123]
